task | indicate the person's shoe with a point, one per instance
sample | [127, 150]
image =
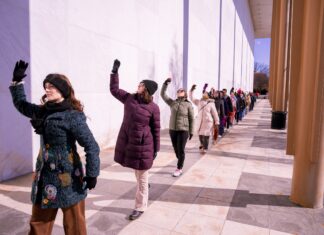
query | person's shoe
[219, 136]
[135, 215]
[177, 173]
[204, 151]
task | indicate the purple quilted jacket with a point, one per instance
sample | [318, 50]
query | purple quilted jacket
[139, 135]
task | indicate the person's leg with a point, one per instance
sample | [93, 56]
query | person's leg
[232, 118]
[221, 128]
[173, 136]
[74, 219]
[206, 142]
[228, 121]
[201, 140]
[182, 141]
[42, 220]
[215, 134]
[141, 199]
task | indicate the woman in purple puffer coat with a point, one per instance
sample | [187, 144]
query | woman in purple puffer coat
[139, 137]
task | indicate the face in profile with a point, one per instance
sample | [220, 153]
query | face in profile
[140, 88]
[52, 93]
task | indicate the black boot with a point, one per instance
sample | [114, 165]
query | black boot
[135, 215]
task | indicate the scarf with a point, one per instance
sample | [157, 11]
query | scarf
[48, 109]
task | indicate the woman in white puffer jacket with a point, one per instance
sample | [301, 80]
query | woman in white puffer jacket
[207, 118]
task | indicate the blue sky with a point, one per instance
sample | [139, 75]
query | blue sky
[262, 50]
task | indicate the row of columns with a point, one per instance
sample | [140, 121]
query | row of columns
[297, 86]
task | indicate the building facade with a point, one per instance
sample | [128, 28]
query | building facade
[193, 42]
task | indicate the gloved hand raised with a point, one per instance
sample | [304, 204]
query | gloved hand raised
[115, 66]
[90, 182]
[205, 87]
[166, 82]
[19, 71]
[193, 87]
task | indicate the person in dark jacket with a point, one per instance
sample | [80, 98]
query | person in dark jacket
[138, 140]
[59, 180]
[215, 96]
[253, 100]
[240, 105]
[229, 107]
[181, 124]
[224, 109]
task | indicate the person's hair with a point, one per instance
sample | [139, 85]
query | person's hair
[75, 103]
[146, 96]
[185, 93]
[224, 89]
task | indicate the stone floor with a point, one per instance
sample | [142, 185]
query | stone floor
[241, 186]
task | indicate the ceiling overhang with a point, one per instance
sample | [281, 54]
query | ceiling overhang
[261, 13]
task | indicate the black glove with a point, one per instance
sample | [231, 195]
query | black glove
[205, 87]
[193, 87]
[19, 71]
[190, 136]
[91, 182]
[166, 82]
[38, 125]
[154, 155]
[115, 66]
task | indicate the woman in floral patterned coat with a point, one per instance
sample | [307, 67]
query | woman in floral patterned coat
[59, 180]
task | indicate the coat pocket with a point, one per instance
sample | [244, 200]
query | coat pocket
[185, 122]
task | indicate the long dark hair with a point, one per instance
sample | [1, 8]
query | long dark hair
[75, 103]
[145, 96]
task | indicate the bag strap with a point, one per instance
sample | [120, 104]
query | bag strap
[204, 106]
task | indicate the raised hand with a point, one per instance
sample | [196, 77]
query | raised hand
[193, 87]
[205, 87]
[166, 82]
[115, 66]
[19, 71]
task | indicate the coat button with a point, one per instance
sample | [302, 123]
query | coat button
[45, 201]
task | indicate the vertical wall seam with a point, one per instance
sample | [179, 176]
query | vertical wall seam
[220, 43]
[234, 47]
[185, 42]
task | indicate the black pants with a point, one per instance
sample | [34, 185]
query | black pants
[204, 141]
[179, 140]
[237, 115]
[228, 122]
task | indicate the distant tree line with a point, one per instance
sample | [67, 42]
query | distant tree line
[261, 78]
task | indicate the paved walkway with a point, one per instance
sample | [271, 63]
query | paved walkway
[239, 187]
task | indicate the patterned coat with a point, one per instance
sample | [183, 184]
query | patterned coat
[139, 135]
[59, 170]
